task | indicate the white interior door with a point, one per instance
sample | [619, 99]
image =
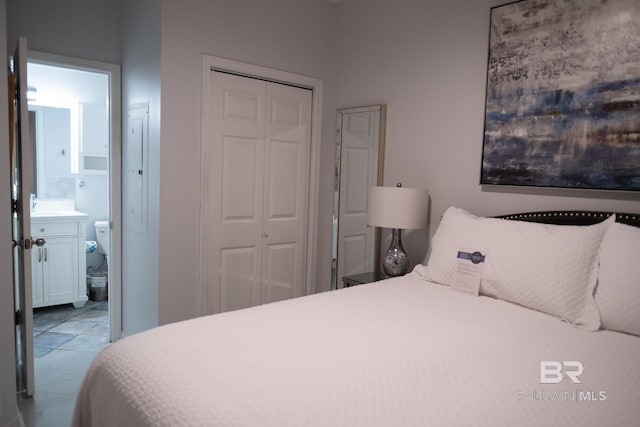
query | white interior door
[21, 179]
[257, 189]
[358, 172]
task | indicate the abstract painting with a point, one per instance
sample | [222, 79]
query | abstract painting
[563, 95]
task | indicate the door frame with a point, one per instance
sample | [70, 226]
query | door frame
[8, 399]
[115, 173]
[22, 264]
[210, 63]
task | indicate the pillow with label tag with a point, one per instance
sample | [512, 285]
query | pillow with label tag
[618, 292]
[549, 268]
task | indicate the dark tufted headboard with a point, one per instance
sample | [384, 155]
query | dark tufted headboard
[573, 217]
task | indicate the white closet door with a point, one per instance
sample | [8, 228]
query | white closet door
[358, 172]
[288, 136]
[258, 160]
[236, 170]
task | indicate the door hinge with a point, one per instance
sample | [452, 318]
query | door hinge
[18, 317]
[14, 206]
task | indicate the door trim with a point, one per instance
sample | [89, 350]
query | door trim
[24, 161]
[115, 173]
[8, 402]
[210, 62]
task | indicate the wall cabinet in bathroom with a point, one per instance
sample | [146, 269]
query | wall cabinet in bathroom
[94, 139]
[59, 267]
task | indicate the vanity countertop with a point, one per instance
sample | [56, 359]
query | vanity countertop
[56, 210]
[58, 215]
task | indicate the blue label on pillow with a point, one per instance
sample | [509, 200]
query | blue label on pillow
[475, 257]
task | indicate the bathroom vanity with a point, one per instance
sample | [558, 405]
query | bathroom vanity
[59, 266]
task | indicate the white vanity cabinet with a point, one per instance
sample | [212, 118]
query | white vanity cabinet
[59, 267]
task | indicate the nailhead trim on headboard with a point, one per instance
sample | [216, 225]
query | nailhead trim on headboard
[573, 217]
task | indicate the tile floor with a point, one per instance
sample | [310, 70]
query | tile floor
[65, 341]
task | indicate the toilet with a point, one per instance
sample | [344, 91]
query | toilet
[102, 236]
[97, 279]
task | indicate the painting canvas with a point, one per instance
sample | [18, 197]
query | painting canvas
[563, 95]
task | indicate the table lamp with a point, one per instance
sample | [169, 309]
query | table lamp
[397, 208]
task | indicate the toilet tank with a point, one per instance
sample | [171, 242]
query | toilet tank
[102, 235]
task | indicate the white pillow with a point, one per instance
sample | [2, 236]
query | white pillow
[618, 292]
[549, 268]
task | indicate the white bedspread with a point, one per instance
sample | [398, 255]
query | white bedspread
[402, 352]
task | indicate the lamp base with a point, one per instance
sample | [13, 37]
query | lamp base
[396, 261]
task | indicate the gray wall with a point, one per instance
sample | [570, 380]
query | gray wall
[427, 61]
[118, 32]
[76, 28]
[290, 35]
[160, 267]
[141, 84]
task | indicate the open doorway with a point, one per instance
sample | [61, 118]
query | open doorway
[74, 121]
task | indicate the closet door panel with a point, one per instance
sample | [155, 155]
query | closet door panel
[234, 212]
[240, 183]
[283, 180]
[286, 193]
[280, 281]
[239, 284]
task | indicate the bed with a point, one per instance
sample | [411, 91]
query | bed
[408, 351]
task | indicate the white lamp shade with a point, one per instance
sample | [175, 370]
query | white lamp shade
[397, 207]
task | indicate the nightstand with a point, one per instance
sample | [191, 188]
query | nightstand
[361, 279]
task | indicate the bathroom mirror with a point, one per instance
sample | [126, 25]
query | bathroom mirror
[359, 165]
[53, 133]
